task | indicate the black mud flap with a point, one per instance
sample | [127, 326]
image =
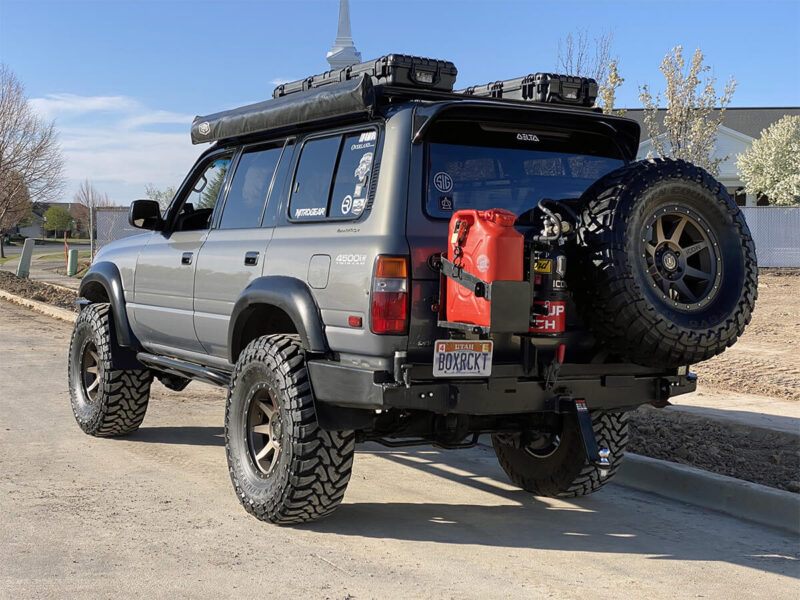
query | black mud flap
[577, 406]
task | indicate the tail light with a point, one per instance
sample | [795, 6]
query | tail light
[390, 295]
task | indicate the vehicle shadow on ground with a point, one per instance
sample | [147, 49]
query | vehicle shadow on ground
[515, 519]
[190, 436]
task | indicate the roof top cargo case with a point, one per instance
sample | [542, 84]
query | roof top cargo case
[399, 70]
[541, 87]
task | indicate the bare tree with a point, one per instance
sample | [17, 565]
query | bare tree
[580, 55]
[584, 57]
[30, 158]
[87, 198]
[15, 209]
[693, 112]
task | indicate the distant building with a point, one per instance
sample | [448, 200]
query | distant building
[344, 53]
[737, 132]
[36, 228]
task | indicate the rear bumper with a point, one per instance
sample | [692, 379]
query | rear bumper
[353, 387]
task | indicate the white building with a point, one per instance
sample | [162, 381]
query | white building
[739, 128]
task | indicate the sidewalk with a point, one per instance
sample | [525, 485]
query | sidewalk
[45, 271]
[744, 409]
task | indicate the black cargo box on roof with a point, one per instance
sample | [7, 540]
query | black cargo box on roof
[397, 70]
[541, 87]
[334, 101]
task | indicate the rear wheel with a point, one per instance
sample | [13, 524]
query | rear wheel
[284, 467]
[554, 463]
[666, 275]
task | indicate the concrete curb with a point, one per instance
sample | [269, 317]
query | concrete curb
[742, 499]
[42, 307]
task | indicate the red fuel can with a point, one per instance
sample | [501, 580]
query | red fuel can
[485, 244]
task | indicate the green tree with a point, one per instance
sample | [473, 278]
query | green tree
[57, 218]
[209, 196]
[163, 197]
[771, 165]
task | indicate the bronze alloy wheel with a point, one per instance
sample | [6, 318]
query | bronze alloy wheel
[90, 371]
[263, 429]
[683, 257]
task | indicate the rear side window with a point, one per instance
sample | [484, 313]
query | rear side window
[333, 177]
[351, 185]
[250, 188]
[312, 182]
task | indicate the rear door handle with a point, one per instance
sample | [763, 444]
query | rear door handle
[186, 259]
[251, 259]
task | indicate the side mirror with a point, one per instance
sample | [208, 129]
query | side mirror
[145, 214]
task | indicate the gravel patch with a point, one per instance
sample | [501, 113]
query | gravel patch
[42, 292]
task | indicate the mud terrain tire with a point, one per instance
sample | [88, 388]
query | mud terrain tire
[563, 471]
[666, 270]
[106, 402]
[303, 477]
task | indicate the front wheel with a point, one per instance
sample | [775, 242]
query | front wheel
[284, 467]
[106, 401]
[554, 463]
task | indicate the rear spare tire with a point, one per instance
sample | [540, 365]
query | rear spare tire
[666, 270]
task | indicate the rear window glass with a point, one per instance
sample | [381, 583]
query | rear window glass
[471, 167]
[333, 177]
[312, 182]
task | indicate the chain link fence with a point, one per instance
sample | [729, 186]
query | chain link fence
[776, 232]
[110, 223]
[775, 229]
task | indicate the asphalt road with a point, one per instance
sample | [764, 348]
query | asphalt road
[153, 515]
[50, 248]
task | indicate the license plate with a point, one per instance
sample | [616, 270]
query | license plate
[460, 358]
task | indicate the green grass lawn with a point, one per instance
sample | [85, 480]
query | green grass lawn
[7, 258]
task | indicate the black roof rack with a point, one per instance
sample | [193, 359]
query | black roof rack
[356, 91]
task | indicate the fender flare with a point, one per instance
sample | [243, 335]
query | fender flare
[290, 295]
[107, 275]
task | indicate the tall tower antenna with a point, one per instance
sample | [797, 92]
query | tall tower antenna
[344, 53]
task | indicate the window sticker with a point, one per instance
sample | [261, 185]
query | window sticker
[446, 203]
[443, 182]
[309, 212]
[347, 204]
[358, 206]
[364, 166]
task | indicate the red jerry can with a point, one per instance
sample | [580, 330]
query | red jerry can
[485, 244]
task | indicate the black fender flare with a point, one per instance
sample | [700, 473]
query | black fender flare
[107, 275]
[290, 295]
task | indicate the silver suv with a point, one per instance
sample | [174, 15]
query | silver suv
[304, 262]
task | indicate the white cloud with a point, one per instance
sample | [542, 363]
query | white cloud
[54, 105]
[119, 144]
[279, 81]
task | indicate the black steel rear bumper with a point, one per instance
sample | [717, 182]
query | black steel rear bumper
[602, 386]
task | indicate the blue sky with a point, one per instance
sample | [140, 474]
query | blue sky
[123, 79]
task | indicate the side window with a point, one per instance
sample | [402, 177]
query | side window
[249, 189]
[197, 206]
[351, 185]
[312, 181]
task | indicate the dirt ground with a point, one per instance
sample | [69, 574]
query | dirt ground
[765, 361]
[34, 290]
[154, 515]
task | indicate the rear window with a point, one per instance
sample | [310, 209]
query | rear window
[333, 177]
[470, 165]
